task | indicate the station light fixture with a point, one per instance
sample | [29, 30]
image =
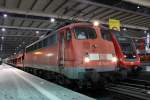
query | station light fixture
[5, 15]
[145, 31]
[2, 37]
[125, 29]
[52, 20]
[3, 29]
[37, 32]
[96, 23]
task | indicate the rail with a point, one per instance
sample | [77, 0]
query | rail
[139, 89]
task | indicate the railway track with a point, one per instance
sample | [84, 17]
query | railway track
[134, 88]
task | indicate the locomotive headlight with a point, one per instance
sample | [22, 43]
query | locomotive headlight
[134, 56]
[114, 59]
[125, 56]
[86, 59]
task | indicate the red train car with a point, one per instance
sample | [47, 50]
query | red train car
[16, 60]
[76, 51]
[125, 50]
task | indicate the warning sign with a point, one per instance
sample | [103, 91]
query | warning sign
[114, 24]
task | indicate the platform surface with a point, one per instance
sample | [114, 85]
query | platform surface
[16, 84]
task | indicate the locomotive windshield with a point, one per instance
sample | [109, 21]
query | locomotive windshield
[84, 33]
[125, 43]
[127, 48]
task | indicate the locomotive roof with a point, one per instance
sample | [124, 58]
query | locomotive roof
[75, 24]
[67, 26]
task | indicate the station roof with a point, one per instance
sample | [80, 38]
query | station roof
[26, 21]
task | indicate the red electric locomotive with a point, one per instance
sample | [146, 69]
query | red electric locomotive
[76, 51]
[125, 50]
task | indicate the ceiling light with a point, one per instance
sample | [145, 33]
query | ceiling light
[37, 32]
[52, 20]
[5, 15]
[96, 23]
[2, 38]
[124, 29]
[3, 29]
[145, 31]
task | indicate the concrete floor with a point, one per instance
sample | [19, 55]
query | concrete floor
[18, 85]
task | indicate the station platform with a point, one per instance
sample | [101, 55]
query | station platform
[16, 84]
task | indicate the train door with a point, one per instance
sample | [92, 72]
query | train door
[68, 48]
[65, 56]
[61, 50]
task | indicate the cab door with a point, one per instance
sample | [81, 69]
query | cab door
[68, 52]
[61, 54]
[66, 55]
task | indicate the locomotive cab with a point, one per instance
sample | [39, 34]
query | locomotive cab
[88, 53]
[126, 51]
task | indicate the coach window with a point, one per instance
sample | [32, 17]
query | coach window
[68, 35]
[106, 35]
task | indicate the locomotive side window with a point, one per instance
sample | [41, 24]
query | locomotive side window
[106, 35]
[85, 33]
[52, 40]
[45, 42]
[68, 35]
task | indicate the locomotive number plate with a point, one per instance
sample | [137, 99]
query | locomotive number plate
[106, 56]
[94, 56]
